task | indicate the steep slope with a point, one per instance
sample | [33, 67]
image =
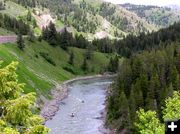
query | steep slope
[93, 19]
[124, 19]
[160, 16]
[90, 18]
[120, 18]
[39, 74]
[145, 79]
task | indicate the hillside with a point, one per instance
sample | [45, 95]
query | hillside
[39, 74]
[93, 19]
[145, 80]
[159, 16]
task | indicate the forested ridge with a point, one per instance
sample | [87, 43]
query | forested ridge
[134, 44]
[90, 17]
[145, 80]
[160, 16]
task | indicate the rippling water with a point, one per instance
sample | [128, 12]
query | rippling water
[85, 100]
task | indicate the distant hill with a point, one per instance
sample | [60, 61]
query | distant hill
[92, 18]
[159, 16]
[176, 7]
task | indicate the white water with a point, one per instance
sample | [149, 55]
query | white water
[86, 101]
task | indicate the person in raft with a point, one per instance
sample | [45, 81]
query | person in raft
[72, 115]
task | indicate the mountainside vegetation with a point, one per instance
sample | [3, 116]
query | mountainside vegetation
[93, 20]
[13, 25]
[159, 16]
[144, 81]
[38, 57]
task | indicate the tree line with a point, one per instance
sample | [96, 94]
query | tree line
[132, 44]
[64, 38]
[144, 81]
[12, 24]
[135, 44]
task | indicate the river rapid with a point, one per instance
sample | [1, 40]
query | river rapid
[80, 112]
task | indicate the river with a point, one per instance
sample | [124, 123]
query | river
[86, 101]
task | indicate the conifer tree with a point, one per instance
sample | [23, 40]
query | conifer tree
[153, 95]
[52, 31]
[89, 52]
[71, 58]
[31, 36]
[20, 42]
[132, 106]
[138, 94]
[84, 65]
[45, 33]
[123, 112]
[29, 16]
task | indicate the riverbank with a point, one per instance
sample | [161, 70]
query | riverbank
[59, 93]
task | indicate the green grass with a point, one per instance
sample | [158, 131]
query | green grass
[37, 31]
[38, 74]
[59, 24]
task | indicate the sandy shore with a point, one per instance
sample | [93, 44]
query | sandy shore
[59, 93]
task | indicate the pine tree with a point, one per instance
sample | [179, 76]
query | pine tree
[166, 92]
[31, 36]
[71, 58]
[52, 31]
[45, 33]
[153, 94]
[29, 16]
[113, 64]
[123, 113]
[64, 39]
[89, 52]
[110, 65]
[132, 106]
[84, 65]
[138, 94]
[20, 42]
[176, 83]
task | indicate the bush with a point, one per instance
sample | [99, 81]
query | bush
[70, 69]
[47, 58]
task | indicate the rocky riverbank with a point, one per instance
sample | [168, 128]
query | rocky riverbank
[59, 93]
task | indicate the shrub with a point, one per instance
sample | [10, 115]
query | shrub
[47, 58]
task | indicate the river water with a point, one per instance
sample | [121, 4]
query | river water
[86, 101]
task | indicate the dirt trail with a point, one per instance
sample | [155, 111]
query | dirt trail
[7, 39]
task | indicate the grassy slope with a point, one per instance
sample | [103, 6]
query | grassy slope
[38, 74]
